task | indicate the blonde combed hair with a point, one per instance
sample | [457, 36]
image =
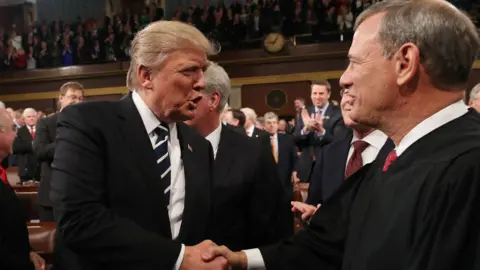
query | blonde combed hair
[152, 45]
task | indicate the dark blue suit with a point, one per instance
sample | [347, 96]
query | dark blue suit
[310, 144]
[328, 173]
[287, 159]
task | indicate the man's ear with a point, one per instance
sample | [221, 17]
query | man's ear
[144, 76]
[214, 101]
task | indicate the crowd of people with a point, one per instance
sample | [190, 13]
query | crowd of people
[169, 177]
[60, 43]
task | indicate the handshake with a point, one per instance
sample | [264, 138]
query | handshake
[207, 255]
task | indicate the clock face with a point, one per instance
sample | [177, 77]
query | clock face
[274, 42]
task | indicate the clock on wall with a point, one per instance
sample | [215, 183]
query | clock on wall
[274, 42]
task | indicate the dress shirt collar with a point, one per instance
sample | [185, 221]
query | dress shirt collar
[250, 130]
[149, 119]
[323, 109]
[433, 122]
[214, 138]
[376, 139]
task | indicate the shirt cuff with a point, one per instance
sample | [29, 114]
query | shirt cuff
[180, 258]
[320, 134]
[254, 259]
[303, 132]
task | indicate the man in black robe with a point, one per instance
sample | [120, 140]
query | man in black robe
[409, 64]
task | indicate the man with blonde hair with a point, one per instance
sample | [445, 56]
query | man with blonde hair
[410, 62]
[130, 181]
[44, 145]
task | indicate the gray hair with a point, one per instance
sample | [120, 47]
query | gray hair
[475, 91]
[152, 44]
[446, 38]
[28, 111]
[249, 114]
[2, 105]
[270, 115]
[217, 80]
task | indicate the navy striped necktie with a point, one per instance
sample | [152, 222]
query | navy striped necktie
[163, 159]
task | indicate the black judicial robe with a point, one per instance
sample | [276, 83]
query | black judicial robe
[422, 214]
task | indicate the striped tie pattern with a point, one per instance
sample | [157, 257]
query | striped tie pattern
[163, 160]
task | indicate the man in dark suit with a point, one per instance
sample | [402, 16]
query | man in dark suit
[28, 166]
[131, 183]
[285, 155]
[284, 152]
[235, 119]
[247, 191]
[250, 128]
[44, 145]
[340, 159]
[317, 126]
[15, 249]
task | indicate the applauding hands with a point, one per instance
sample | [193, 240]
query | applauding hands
[312, 123]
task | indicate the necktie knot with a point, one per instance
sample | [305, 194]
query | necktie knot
[356, 161]
[392, 156]
[360, 146]
[162, 131]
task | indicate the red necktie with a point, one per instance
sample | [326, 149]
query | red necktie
[392, 156]
[3, 175]
[32, 132]
[356, 160]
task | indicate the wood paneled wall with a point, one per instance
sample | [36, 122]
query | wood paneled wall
[254, 96]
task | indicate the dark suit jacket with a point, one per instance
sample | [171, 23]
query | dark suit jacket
[247, 192]
[287, 159]
[44, 148]
[14, 245]
[263, 137]
[310, 144]
[107, 194]
[329, 171]
[28, 168]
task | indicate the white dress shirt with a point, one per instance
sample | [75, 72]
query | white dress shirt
[442, 117]
[250, 130]
[214, 139]
[275, 140]
[376, 139]
[177, 190]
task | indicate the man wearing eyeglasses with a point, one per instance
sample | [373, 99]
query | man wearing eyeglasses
[44, 145]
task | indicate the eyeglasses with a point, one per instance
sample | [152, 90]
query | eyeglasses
[344, 91]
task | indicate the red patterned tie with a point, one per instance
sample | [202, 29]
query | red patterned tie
[392, 156]
[356, 160]
[32, 132]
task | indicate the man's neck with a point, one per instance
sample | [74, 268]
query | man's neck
[362, 132]
[414, 111]
[209, 125]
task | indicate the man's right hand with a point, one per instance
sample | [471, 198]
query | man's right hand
[192, 259]
[306, 210]
[236, 260]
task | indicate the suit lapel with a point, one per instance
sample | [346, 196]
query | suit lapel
[140, 149]
[340, 158]
[196, 187]
[224, 157]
